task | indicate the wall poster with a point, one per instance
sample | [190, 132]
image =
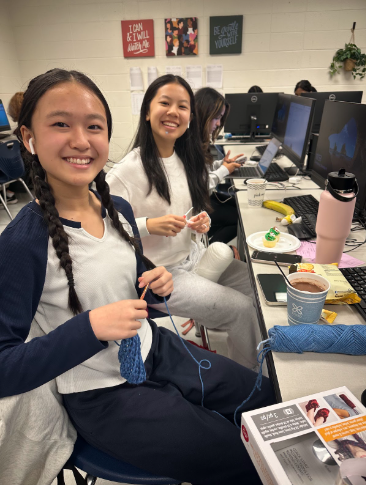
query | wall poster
[226, 34]
[138, 38]
[181, 37]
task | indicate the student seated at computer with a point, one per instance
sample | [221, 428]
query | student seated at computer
[255, 89]
[212, 111]
[304, 86]
[163, 177]
[13, 111]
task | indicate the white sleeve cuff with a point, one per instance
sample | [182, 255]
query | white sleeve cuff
[141, 226]
[222, 172]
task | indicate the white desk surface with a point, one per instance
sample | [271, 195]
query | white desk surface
[303, 374]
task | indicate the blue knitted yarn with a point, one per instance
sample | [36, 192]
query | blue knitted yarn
[129, 355]
[329, 339]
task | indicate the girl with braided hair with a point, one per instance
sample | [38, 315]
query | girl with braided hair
[77, 273]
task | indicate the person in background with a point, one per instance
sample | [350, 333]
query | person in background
[14, 106]
[212, 111]
[255, 89]
[304, 87]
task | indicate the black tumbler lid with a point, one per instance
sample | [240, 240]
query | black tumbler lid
[342, 180]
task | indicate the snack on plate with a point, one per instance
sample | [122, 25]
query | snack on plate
[269, 240]
[275, 232]
[340, 290]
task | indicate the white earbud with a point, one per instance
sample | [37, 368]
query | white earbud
[188, 125]
[31, 146]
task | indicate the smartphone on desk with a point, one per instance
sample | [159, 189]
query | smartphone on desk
[274, 288]
[269, 258]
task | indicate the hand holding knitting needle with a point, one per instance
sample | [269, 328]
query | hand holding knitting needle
[160, 281]
[169, 225]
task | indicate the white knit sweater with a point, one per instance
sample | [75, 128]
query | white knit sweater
[127, 179]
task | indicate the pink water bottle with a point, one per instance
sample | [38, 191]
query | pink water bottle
[336, 207]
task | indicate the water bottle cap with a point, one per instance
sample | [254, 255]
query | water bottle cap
[342, 180]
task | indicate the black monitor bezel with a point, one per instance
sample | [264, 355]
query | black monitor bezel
[249, 96]
[5, 127]
[319, 96]
[299, 161]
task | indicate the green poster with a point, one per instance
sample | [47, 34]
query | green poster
[226, 34]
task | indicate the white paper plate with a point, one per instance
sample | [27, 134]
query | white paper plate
[286, 244]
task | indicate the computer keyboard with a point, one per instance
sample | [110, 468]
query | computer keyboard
[248, 172]
[303, 204]
[356, 277]
[275, 173]
[307, 207]
[262, 148]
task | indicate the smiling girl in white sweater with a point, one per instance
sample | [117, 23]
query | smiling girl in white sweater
[163, 177]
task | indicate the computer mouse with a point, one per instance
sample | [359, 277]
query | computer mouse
[294, 180]
[255, 158]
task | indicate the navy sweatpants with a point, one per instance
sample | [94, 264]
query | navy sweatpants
[160, 426]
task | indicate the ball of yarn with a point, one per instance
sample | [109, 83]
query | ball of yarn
[334, 339]
[214, 262]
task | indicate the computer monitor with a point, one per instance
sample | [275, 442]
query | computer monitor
[349, 96]
[292, 124]
[4, 122]
[251, 114]
[342, 144]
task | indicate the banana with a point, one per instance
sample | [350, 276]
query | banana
[279, 207]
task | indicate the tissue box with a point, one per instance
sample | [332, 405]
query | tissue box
[305, 440]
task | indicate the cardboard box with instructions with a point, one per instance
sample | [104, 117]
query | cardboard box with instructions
[304, 441]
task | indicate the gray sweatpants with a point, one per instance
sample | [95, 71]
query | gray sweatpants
[225, 305]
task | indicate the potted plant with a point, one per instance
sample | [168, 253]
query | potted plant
[352, 59]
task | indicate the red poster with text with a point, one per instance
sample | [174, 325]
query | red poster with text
[138, 38]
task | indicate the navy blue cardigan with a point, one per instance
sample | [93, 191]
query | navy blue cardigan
[23, 261]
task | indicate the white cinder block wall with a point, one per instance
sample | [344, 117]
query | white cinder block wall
[284, 41]
[10, 80]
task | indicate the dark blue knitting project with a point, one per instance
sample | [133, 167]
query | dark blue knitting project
[129, 355]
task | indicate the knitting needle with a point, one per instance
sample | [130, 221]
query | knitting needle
[144, 292]
[186, 214]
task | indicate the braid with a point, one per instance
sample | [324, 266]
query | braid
[103, 191]
[60, 239]
[344, 451]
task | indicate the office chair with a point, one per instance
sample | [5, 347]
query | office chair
[98, 464]
[201, 331]
[11, 169]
